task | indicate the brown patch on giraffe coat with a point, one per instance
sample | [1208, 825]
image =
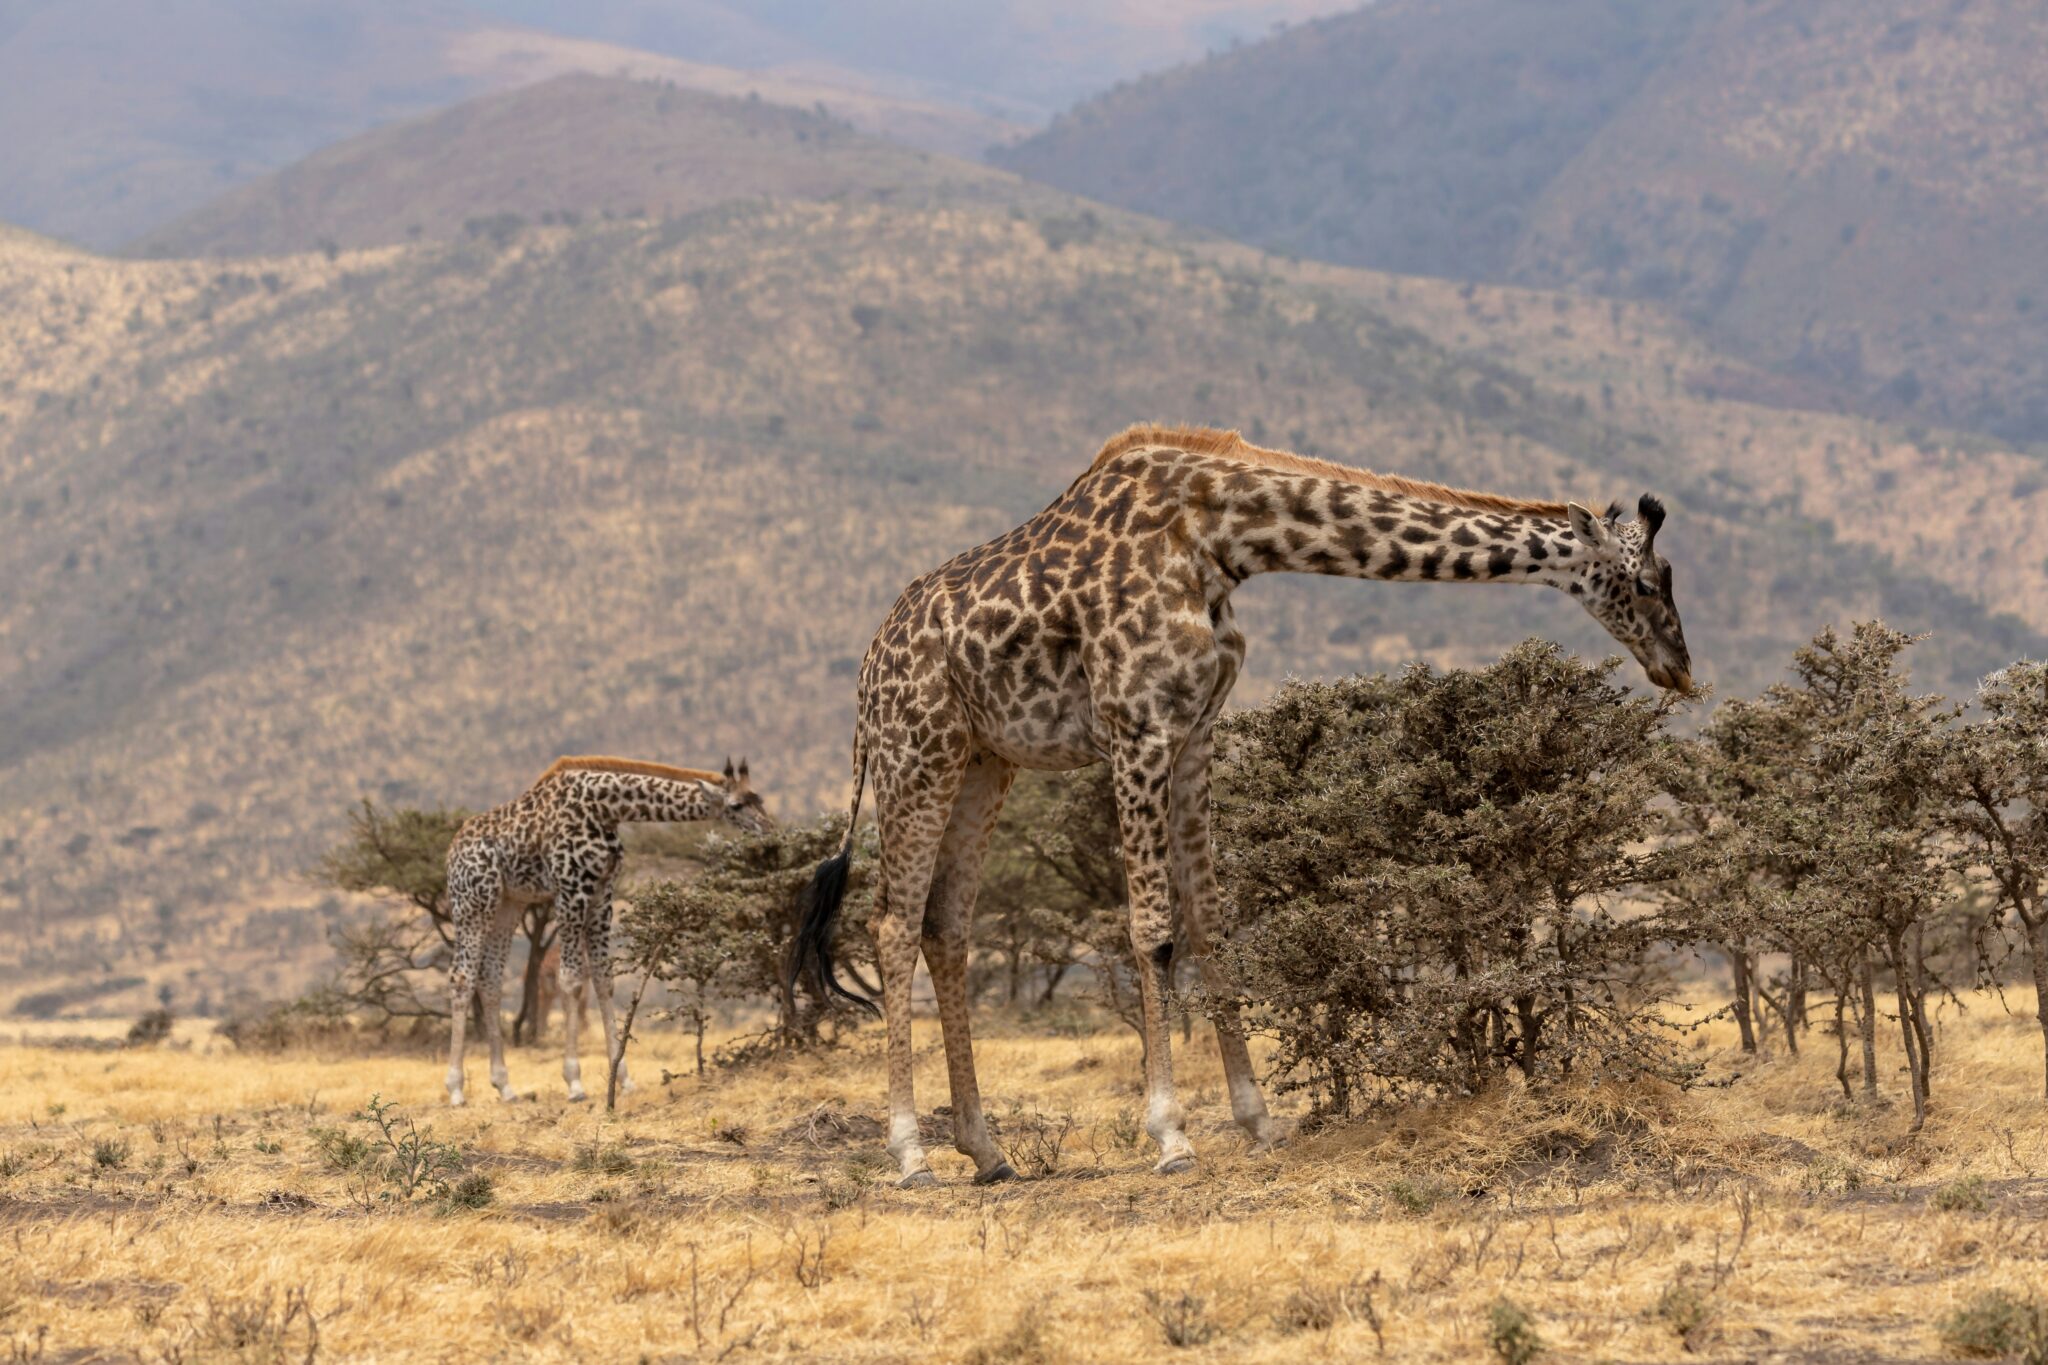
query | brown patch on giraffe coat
[1230, 445]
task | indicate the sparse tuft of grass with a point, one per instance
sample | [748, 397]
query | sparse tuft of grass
[1832, 1175]
[110, 1154]
[1415, 1196]
[473, 1191]
[1962, 1196]
[339, 1148]
[1023, 1344]
[605, 1159]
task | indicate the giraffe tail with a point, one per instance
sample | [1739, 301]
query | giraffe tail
[821, 911]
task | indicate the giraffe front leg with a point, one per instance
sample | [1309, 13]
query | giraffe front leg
[1194, 869]
[599, 939]
[1142, 793]
[574, 967]
[473, 899]
[459, 992]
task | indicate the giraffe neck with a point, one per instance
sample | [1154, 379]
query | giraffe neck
[635, 798]
[1267, 521]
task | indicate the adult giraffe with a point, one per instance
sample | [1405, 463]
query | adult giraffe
[1102, 629]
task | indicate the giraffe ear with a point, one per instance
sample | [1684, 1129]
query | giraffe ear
[1587, 527]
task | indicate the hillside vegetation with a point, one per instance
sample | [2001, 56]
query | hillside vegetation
[411, 521]
[576, 146]
[1852, 193]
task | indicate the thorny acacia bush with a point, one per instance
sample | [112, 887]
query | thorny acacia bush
[1424, 871]
[725, 935]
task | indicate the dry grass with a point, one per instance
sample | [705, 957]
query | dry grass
[754, 1216]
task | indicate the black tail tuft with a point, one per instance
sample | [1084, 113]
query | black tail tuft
[814, 936]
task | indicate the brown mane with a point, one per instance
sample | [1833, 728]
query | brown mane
[1230, 445]
[593, 763]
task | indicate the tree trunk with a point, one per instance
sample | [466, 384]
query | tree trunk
[1528, 1025]
[1921, 1027]
[1739, 971]
[2037, 958]
[697, 1017]
[1867, 1023]
[1795, 1001]
[1902, 989]
[1842, 1044]
[527, 1026]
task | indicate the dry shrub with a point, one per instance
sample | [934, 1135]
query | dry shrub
[1035, 1140]
[1999, 1325]
[1023, 1344]
[1183, 1317]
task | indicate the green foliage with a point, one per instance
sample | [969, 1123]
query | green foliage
[110, 1154]
[1052, 894]
[1511, 1332]
[1823, 803]
[1999, 1325]
[397, 851]
[1962, 1196]
[405, 1162]
[1424, 870]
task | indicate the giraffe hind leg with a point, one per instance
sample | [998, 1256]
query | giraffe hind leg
[473, 900]
[948, 921]
[914, 810]
[491, 988]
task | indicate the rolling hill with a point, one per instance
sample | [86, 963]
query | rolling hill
[572, 147]
[410, 521]
[122, 115]
[1853, 193]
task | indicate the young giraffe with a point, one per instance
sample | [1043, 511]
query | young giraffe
[560, 841]
[1101, 629]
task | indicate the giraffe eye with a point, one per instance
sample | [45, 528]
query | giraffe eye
[1646, 587]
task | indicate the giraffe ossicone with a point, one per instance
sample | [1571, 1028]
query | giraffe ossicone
[1101, 630]
[559, 842]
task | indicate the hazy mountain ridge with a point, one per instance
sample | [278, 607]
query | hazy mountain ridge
[1850, 191]
[576, 146]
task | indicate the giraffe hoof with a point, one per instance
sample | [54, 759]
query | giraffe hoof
[996, 1174]
[917, 1180]
[455, 1099]
[1174, 1165]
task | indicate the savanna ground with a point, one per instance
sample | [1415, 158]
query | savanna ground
[187, 1203]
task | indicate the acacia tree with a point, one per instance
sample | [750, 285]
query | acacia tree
[728, 932]
[401, 853]
[1861, 811]
[1997, 788]
[1052, 896]
[1423, 872]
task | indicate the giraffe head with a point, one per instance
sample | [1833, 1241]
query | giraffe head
[1626, 585]
[742, 803]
